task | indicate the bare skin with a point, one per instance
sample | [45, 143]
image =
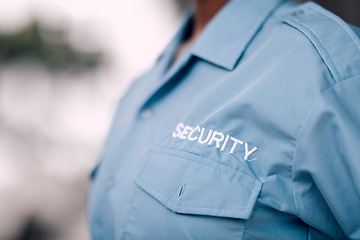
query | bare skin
[205, 10]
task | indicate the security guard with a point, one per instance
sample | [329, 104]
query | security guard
[252, 133]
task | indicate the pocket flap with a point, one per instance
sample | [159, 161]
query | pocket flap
[190, 184]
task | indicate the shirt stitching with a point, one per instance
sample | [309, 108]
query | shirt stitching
[338, 71]
[146, 185]
[163, 150]
[334, 18]
[299, 134]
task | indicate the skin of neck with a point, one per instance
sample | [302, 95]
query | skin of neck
[204, 12]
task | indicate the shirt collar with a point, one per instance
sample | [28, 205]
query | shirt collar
[165, 59]
[227, 35]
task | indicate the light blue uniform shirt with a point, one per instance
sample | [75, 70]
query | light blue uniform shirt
[254, 133]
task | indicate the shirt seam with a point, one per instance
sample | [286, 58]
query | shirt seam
[300, 131]
[124, 231]
[148, 188]
[351, 34]
[163, 150]
[347, 31]
[331, 58]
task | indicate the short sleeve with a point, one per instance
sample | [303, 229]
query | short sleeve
[326, 164]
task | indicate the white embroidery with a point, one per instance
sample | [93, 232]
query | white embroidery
[247, 153]
[186, 132]
[207, 138]
[179, 129]
[217, 140]
[225, 142]
[236, 142]
[197, 128]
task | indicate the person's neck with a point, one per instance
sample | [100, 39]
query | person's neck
[205, 10]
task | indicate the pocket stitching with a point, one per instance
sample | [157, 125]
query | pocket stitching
[153, 190]
[251, 184]
[164, 150]
[216, 169]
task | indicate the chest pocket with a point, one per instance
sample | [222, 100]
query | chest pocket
[190, 185]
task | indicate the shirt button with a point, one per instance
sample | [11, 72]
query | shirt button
[147, 113]
[298, 13]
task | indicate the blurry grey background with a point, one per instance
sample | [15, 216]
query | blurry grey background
[349, 10]
[63, 66]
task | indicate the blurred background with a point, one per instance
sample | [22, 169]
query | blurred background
[63, 67]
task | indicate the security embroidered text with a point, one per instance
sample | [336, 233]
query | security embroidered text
[210, 137]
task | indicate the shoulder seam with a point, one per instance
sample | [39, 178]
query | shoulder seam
[312, 20]
[338, 72]
[300, 131]
[344, 26]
